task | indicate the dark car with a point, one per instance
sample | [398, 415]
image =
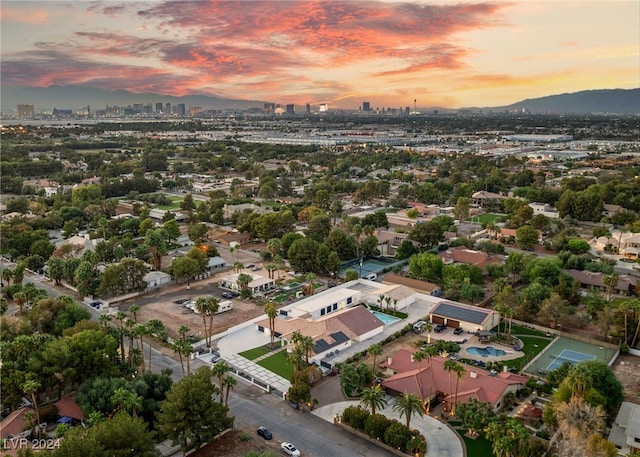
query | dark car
[265, 433]
[458, 331]
[227, 295]
[439, 328]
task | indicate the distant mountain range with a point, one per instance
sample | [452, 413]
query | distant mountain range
[617, 101]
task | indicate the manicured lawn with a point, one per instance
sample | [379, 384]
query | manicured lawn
[254, 353]
[517, 330]
[278, 364]
[479, 447]
[485, 218]
[532, 347]
[174, 205]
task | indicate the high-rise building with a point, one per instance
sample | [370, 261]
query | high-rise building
[308, 108]
[26, 110]
[269, 108]
[181, 109]
[290, 109]
[366, 106]
[158, 107]
[167, 109]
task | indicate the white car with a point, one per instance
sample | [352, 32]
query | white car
[290, 449]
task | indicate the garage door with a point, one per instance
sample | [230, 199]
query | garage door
[437, 319]
[453, 323]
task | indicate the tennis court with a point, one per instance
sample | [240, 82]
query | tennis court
[369, 265]
[567, 355]
[567, 350]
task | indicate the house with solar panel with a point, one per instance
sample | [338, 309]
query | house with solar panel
[458, 315]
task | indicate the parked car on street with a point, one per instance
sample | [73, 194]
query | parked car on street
[290, 449]
[265, 433]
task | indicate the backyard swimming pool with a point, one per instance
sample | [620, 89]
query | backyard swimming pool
[385, 318]
[486, 351]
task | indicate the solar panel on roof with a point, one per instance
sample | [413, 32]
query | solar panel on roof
[339, 337]
[452, 311]
[320, 346]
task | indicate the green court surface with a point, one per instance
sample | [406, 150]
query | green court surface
[573, 351]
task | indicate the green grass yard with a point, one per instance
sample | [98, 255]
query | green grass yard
[278, 364]
[479, 447]
[485, 218]
[174, 205]
[254, 353]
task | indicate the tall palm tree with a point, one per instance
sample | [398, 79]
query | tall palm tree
[214, 305]
[105, 319]
[20, 298]
[373, 398]
[127, 400]
[449, 366]
[31, 388]
[177, 348]
[295, 357]
[238, 266]
[202, 307]
[459, 370]
[244, 280]
[120, 317]
[271, 312]
[310, 279]
[430, 351]
[610, 282]
[306, 345]
[229, 382]
[219, 370]
[419, 357]
[7, 275]
[407, 405]
[142, 330]
[375, 350]
[187, 350]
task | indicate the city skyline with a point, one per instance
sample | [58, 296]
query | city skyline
[388, 53]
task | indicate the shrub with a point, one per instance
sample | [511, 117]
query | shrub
[397, 435]
[355, 417]
[376, 425]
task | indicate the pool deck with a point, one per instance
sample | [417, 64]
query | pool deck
[474, 341]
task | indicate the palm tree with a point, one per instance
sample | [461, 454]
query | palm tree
[31, 387]
[244, 280]
[373, 398]
[306, 345]
[388, 301]
[274, 246]
[7, 275]
[142, 330]
[202, 307]
[295, 357]
[430, 351]
[20, 298]
[407, 405]
[214, 305]
[271, 312]
[610, 282]
[429, 328]
[177, 348]
[182, 331]
[133, 309]
[187, 350]
[105, 319]
[419, 356]
[310, 278]
[375, 350]
[459, 370]
[127, 400]
[219, 370]
[120, 317]
[449, 367]
[238, 266]
[229, 382]
[635, 304]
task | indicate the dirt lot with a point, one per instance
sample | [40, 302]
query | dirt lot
[627, 368]
[235, 444]
[161, 306]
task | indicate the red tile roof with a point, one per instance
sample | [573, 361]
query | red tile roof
[411, 375]
[67, 406]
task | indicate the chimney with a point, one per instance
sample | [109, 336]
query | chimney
[390, 360]
[505, 369]
[473, 374]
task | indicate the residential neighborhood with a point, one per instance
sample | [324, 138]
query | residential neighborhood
[462, 290]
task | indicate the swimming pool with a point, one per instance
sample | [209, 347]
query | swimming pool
[486, 351]
[385, 318]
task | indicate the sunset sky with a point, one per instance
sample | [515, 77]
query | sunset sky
[441, 53]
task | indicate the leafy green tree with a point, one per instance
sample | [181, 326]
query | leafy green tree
[185, 268]
[354, 377]
[508, 437]
[302, 254]
[526, 237]
[427, 234]
[156, 241]
[397, 435]
[376, 425]
[475, 415]
[351, 275]
[190, 416]
[172, 228]
[355, 416]
[198, 233]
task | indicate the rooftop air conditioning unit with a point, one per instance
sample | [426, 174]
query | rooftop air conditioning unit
[473, 374]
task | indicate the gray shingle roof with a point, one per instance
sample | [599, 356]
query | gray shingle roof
[462, 313]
